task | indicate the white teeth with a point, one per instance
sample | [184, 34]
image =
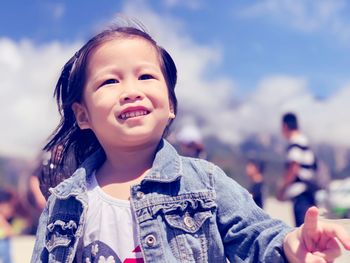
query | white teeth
[131, 114]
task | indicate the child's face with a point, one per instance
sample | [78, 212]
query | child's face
[125, 100]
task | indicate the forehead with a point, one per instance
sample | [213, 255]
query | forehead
[125, 46]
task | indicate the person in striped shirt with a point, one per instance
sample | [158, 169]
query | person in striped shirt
[298, 183]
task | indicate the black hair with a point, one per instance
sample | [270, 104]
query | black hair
[70, 86]
[6, 195]
[259, 164]
[290, 120]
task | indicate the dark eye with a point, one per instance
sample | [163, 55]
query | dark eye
[145, 77]
[110, 81]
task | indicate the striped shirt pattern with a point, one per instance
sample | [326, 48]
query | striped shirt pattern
[299, 151]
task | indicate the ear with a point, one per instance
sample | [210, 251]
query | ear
[81, 116]
[171, 113]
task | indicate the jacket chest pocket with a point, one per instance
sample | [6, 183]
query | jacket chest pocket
[188, 222]
[188, 233]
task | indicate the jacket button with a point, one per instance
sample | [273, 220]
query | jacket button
[139, 195]
[189, 222]
[150, 240]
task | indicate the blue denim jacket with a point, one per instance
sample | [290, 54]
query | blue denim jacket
[187, 210]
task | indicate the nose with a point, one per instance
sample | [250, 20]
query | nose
[130, 92]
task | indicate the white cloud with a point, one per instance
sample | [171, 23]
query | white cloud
[324, 121]
[9, 55]
[328, 16]
[328, 120]
[27, 78]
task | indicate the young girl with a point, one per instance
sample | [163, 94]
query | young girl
[133, 198]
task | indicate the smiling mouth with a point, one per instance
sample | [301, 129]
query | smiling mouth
[132, 114]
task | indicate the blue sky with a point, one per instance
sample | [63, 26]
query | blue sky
[253, 44]
[256, 57]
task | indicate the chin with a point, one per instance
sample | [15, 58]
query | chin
[145, 138]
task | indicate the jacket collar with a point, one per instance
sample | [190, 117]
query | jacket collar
[76, 184]
[167, 165]
[166, 168]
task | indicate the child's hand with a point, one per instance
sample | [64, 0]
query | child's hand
[315, 241]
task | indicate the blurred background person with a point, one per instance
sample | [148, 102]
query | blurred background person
[190, 142]
[38, 197]
[6, 212]
[32, 196]
[254, 170]
[13, 221]
[298, 182]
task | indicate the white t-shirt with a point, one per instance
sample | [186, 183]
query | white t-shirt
[110, 233]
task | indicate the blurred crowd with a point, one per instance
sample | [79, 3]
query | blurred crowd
[20, 208]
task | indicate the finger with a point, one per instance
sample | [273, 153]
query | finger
[311, 220]
[322, 242]
[328, 256]
[310, 228]
[337, 231]
[331, 252]
[312, 258]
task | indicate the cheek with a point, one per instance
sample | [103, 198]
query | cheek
[162, 99]
[100, 103]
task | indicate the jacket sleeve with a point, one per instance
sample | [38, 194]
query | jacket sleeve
[248, 233]
[39, 247]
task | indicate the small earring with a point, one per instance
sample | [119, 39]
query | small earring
[172, 115]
